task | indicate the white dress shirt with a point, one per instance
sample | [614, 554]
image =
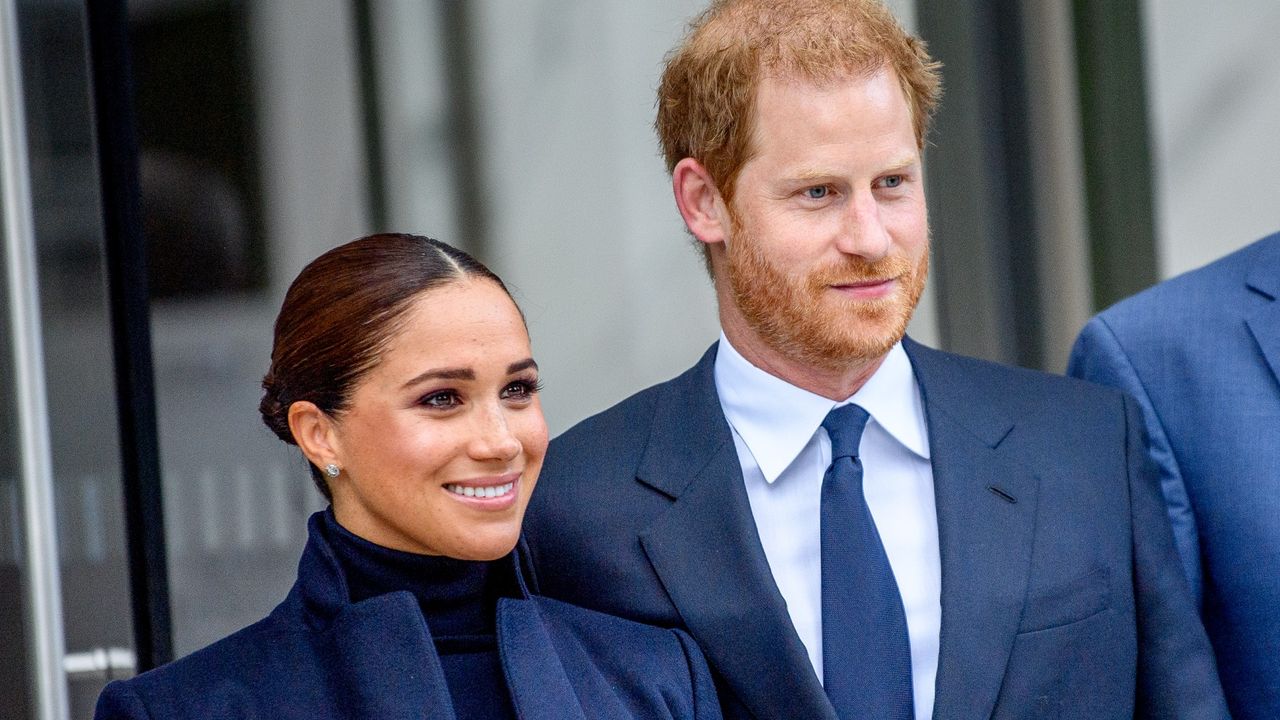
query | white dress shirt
[784, 454]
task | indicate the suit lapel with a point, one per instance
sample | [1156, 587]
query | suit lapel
[707, 553]
[1264, 322]
[986, 501]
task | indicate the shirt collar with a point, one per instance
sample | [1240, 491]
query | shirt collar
[776, 419]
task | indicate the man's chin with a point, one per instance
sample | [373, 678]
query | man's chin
[839, 348]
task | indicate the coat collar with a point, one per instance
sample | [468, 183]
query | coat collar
[1264, 279]
[322, 583]
[1264, 272]
[385, 664]
[707, 553]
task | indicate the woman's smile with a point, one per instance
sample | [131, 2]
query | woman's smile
[492, 493]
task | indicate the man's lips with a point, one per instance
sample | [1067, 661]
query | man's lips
[866, 289]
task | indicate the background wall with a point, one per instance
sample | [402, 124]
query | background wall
[1213, 75]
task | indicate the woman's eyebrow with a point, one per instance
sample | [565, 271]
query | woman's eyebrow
[523, 364]
[443, 374]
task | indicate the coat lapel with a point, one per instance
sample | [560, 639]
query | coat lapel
[385, 664]
[986, 501]
[540, 687]
[1264, 322]
[707, 553]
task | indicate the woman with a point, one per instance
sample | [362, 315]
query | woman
[401, 368]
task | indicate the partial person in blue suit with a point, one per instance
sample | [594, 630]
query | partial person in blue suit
[852, 525]
[1201, 353]
[402, 369]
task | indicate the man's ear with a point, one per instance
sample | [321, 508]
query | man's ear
[700, 202]
[315, 433]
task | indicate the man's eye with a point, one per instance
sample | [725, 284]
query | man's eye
[441, 399]
[817, 192]
[892, 181]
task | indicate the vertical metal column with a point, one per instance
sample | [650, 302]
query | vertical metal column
[371, 111]
[46, 642]
[464, 125]
[979, 180]
[1119, 181]
[126, 255]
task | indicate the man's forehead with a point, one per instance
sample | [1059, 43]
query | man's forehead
[833, 71]
[831, 79]
[782, 98]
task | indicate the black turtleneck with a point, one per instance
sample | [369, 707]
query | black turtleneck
[459, 600]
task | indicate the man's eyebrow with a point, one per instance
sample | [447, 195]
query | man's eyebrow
[903, 162]
[443, 374]
[813, 174]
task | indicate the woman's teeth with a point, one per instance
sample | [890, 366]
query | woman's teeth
[482, 492]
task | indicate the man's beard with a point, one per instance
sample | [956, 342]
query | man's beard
[806, 321]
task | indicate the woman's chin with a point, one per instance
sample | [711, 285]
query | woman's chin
[486, 546]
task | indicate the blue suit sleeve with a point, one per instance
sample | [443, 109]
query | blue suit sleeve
[1177, 673]
[118, 701]
[1098, 356]
[706, 705]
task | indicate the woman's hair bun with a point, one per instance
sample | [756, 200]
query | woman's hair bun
[275, 412]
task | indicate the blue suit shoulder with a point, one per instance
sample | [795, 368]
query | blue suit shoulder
[609, 436]
[1214, 290]
[1020, 392]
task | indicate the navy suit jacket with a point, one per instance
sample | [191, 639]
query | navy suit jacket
[320, 656]
[1201, 353]
[1061, 591]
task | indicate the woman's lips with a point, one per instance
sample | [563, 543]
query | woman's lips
[490, 493]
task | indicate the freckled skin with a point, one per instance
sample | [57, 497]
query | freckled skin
[401, 442]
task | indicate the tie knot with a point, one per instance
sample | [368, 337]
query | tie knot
[844, 426]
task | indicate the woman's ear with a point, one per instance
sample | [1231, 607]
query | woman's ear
[700, 202]
[315, 433]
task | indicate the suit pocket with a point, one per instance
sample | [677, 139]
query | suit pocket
[1068, 602]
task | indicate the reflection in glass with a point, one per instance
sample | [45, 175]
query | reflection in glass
[76, 330]
[14, 668]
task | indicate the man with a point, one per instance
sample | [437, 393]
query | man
[1005, 557]
[1201, 353]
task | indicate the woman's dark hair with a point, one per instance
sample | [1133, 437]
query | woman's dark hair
[341, 311]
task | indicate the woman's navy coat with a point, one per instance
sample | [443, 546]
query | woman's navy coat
[318, 655]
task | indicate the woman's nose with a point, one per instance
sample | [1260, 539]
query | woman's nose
[493, 438]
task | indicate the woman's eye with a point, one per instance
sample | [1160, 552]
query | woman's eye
[441, 399]
[817, 192]
[520, 390]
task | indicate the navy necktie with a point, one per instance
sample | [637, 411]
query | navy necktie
[866, 653]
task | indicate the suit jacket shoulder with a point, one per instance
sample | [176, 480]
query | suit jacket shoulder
[1220, 290]
[991, 397]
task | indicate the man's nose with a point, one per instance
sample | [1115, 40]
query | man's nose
[862, 231]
